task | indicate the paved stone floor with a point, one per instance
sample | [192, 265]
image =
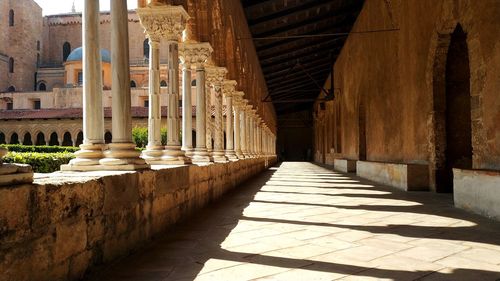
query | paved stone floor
[300, 221]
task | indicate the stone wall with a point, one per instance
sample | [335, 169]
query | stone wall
[389, 77]
[25, 33]
[64, 224]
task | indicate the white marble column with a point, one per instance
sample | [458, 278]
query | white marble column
[208, 118]
[87, 158]
[237, 103]
[151, 17]
[196, 54]
[216, 76]
[121, 153]
[243, 128]
[248, 138]
[187, 107]
[229, 90]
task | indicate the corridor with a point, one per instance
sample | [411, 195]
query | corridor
[300, 221]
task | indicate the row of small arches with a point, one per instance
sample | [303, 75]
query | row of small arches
[39, 139]
[163, 83]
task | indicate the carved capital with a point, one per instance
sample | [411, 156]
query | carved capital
[229, 87]
[163, 21]
[195, 53]
[216, 75]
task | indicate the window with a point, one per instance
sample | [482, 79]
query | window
[163, 83]
[36, 104]
[11, 65]
[38, 45]
[193, 83]
[66, 50]
[37, 60]
[132, 84]
[11, 89]
[146, 103]
[11, 18]
[42, 87]
[145, 47]
[10, 105]
[80, 78]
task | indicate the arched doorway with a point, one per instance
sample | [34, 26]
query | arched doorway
[79, 138]
[53, 139]
[67, 141]
[108, 137]
[40, 139]
[452, 107]
[2, 138]
[27, 139]
[14, 138]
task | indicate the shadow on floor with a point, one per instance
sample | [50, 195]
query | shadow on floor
[205, 246]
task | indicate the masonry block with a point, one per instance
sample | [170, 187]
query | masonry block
[407, 177]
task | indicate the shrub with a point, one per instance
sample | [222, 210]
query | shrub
[39, 148]
[41, 162]
[140, 136]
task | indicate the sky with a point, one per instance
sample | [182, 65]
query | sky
[52, 7]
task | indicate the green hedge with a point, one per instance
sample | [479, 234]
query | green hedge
[41, 162]
[140, 136]
[39, 148]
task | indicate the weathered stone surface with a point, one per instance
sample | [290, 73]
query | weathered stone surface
[477, 191]
[57, 230]
[345, 165]
[407, 177]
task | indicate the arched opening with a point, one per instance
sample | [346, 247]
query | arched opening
[67, 141]
[38, 45]
[145, 48]
[27, 139]
[42, 86]
[66, 50]
[193, 83]
[163, 83]
[79, 138]
[193, 137]
[2, 138]
[53, 139]
[11, 65]
[133, 84]
[453, 113]
[108, 137]
[11, 17]
[40, 139]
[11, 89]
[14, 138]
[362, 131]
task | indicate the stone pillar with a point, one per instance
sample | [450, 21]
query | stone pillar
[243, 128]
[197, 54]
[216, 77]
[149, 18]
[166, 22]
[208, 118]
[87, 158]
[248, 135]
[229, 90]
[187, 108]
[237, 104]
[121, 153]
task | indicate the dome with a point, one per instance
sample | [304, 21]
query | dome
[77, 54]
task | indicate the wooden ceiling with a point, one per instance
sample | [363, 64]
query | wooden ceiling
[297, 42]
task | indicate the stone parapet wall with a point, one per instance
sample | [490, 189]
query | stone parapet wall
[66, 223]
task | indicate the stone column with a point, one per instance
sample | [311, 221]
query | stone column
[187, 108]
[248, 135]
[197, 54]
[151, 17]
[237, 103]
[173, 153]
[243, 128]
[208, 118]
[87, 158]
[216, 77]
[121, 153]
[229, 90]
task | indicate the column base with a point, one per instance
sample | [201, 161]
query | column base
[231, 156]
[123, 157]
[200, 156]
[189, 151]
[11, 174]
[88, 155]
[219, 157]
[173, 155]
[153, 152]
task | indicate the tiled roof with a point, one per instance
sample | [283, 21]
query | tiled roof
[69, 113]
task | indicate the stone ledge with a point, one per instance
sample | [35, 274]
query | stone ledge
[477, 191]
[407, 177]
[66, 223]
[344, 165]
